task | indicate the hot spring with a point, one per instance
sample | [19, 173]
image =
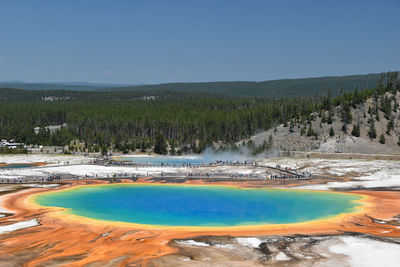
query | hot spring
[191, 205]
[177, 160]
[17, 165]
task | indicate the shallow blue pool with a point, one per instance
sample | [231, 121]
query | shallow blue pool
[17, 166]
[165, 160]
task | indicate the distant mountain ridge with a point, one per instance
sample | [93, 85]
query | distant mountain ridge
[74, 86]
[273, 88]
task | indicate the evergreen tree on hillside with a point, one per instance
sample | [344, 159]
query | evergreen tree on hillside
[382, 139]
[143, 146]
[346, 114]
[395, 106]
[390, 126]
[104, 150]
[372, 130]
[310, 131]
[172, 150]
[323, 119]
[356, 98]
[356, 130]
[327, 102]
[291, 126]
[160, 144]
[386, 106]
[344, 127]
[330, 116]
[303, 130]
[331, 132]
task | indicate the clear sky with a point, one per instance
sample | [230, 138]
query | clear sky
[173, 41]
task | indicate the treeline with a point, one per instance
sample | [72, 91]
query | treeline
[189, 124]
[18, 95]
[172, 122]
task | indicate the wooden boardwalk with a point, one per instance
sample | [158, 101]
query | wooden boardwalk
[288, 174]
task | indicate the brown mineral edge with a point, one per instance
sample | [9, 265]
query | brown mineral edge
[67, 240]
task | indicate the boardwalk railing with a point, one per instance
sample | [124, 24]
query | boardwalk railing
[283, 173]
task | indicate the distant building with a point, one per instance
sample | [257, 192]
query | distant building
[55, 98]
[51, 128]
[148, 97]
[3, 143]
[11, 144]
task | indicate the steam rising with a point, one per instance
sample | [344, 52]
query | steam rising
[243, 153]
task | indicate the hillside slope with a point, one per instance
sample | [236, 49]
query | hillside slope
[298, 138]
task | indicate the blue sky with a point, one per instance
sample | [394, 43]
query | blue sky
[175, 41]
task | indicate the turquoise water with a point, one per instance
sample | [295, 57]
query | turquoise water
[177, 205]
[170, 160]
[17, 166]
[158, 160]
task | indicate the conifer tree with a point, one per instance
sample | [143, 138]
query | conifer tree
[346, 114]
[382, 139]
[330, 117]
[172, 150]
[344, 127]
[104, 150]
[331, 132]
[356, 130]
[390, 126]
[372, 130]
[310, 131]
[303, 130]
[160, 145]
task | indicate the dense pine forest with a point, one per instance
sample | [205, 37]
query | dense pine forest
[195, 122]
[152, 120]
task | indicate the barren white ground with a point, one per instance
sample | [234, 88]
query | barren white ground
[343, 251]
[355, 251]
[365, 173]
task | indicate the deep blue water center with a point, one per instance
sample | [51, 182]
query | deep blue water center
[190, 205]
